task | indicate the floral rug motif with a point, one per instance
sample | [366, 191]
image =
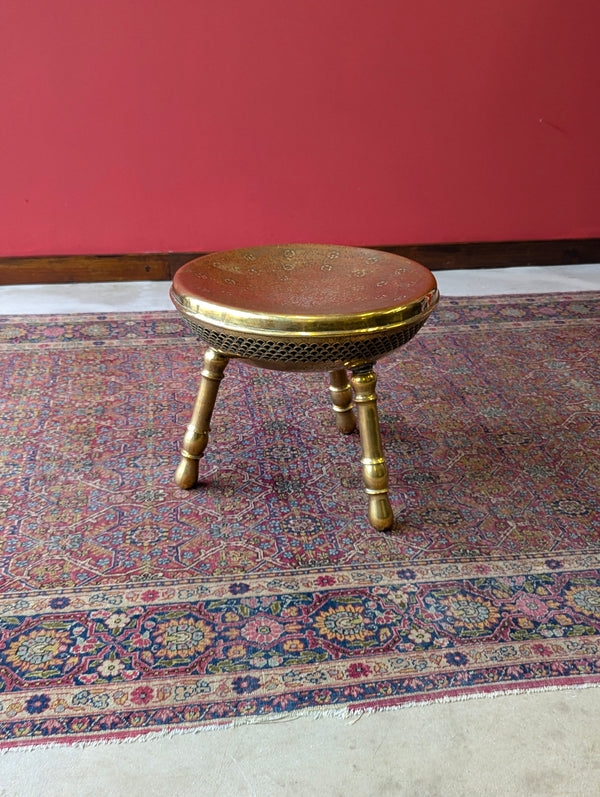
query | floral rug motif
[129, 606]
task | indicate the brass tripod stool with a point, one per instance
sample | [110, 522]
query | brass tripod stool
[304, 307]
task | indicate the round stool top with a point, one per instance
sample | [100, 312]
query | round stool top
[304, 289]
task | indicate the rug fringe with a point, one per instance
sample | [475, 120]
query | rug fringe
[348, 713]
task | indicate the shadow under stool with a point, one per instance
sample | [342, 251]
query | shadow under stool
[304, 307]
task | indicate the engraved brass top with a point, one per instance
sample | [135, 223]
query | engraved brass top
[304, 289]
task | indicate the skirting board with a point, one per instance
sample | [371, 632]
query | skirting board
[162, 266]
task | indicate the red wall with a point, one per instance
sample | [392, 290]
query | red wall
[155, 125]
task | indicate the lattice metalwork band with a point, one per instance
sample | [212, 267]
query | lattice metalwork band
[312, 353]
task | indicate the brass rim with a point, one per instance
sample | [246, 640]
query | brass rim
[236, 320]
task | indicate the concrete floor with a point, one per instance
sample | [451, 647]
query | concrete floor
[544, 743]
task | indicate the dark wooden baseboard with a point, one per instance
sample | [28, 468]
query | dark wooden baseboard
[162, 266]
[500, 254]
[83, 268]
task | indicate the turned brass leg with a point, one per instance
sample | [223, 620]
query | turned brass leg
[196, 436]
[375, 473]
[341, 398]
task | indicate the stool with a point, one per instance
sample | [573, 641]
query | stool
[304, 307]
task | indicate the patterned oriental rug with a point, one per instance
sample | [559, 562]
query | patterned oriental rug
[129, 606]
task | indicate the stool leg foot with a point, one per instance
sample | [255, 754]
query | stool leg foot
[341, 398]
[375, 473]
[196, 436]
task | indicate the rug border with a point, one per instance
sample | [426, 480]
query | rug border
[342, 711]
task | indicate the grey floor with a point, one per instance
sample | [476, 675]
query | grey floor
[544, 743]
